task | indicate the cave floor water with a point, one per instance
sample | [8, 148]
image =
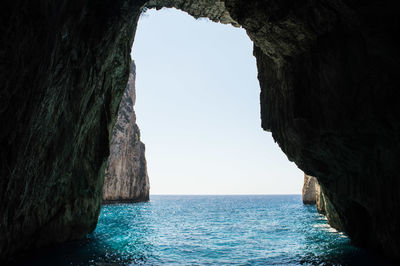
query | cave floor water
[218, 230]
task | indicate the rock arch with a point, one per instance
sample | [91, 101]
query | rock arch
[328, 77]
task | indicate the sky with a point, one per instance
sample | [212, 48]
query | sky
[198, 109]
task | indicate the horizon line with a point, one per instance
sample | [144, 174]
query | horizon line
[261, 194]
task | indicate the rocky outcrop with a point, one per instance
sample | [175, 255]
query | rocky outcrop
[310, 187]
[328, 72]
[125, 178]
[325, 206]
[314, 194]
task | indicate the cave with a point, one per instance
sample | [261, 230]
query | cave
[329, 90]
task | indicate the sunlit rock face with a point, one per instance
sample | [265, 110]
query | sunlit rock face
[126, 178]
[328, 73]
[310, 190]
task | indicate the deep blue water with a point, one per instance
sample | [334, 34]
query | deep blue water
[219, 230]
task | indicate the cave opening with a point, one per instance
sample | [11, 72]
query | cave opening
[197, 107]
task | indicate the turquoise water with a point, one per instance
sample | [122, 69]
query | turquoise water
[218, 230]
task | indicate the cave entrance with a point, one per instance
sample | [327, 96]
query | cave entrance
[198, 110]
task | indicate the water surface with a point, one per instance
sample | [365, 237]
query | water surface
[219, 230]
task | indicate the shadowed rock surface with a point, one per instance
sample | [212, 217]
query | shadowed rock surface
[314, 194]
[328, 72]
[125, 178]
[64, 66]
[325, 206]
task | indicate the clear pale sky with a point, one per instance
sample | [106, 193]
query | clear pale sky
[199, 113]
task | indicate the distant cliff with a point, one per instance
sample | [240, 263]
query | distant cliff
[126, 176]
[310, 189]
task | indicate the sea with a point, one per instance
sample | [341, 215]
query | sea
[209, 230]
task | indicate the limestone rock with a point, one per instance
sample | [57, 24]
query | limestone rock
[309, 192]
[325, 206]
[126, 178]
[313, 193]
[64, 66]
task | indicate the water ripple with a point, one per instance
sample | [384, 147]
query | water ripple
[219, 230]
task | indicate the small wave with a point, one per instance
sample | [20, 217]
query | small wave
[326, 227]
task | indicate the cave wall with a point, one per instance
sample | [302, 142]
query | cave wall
[125, 177]
[325, 207]
[64, 66]
[332, 109]
[313, 194]
[329, 87]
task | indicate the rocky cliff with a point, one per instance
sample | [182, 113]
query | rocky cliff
[64, 66]
[310, 190]
[314, 194]
[125, 178]
[325, 206]
[328, 72]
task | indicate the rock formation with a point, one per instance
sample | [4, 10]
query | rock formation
[310, 188]
[328, 72]
[125, 178]
[64, 66]
[325, 206]
[314, 194]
